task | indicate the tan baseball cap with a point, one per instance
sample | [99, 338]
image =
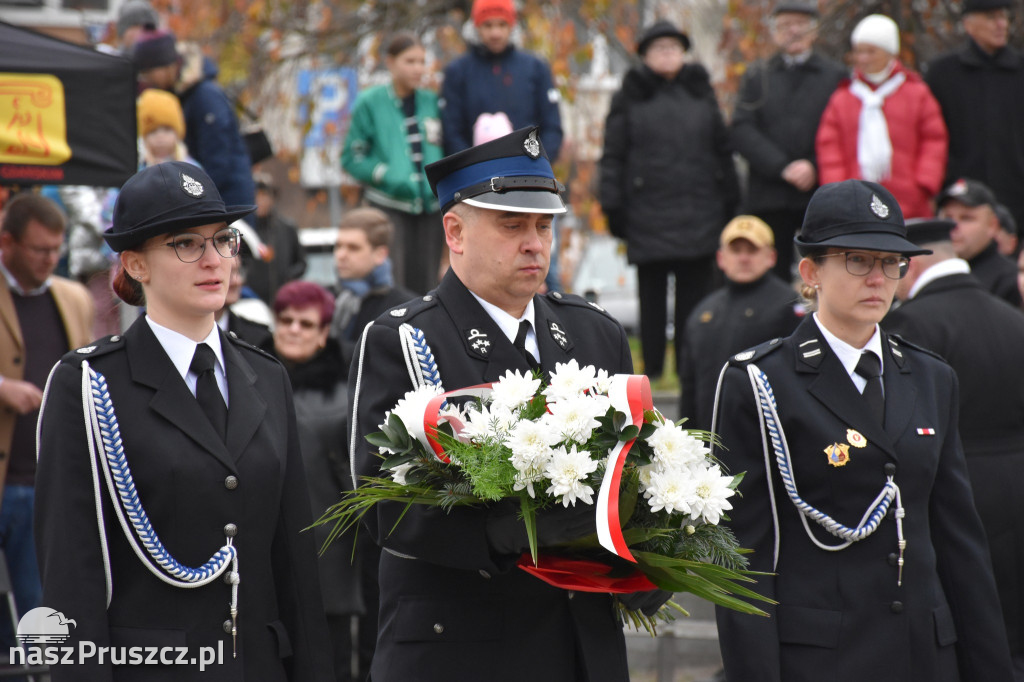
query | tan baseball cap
[748, 227]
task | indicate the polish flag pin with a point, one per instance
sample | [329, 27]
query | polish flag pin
[926, 432]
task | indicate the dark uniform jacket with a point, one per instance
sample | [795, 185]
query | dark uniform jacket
[841, 615]
[192, 486]
[774, 124]
[449, 608]
[252, 332]
[997, 274]
[668, 183]
[731, 319]
[981, 337]
[982, 100]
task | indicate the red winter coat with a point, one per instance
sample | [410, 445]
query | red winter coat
[919, 142]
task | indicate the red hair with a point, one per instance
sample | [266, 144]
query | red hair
[127, 289]
[301, 294]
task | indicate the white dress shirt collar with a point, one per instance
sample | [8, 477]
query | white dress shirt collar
[13, 283]
[850, 356]
[181, 349]
[509, 325]
[952, 266]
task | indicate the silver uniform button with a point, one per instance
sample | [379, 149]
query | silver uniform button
[428, 298]
[227, 626]
[231, 530]
[231, 482]
[115, 339]
[438, 628]
[485, 573]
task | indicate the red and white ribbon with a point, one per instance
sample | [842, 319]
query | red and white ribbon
[432, 417]
[630, 394]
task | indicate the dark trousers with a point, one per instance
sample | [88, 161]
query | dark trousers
[694, 279]
[416, 249]
[785, 224]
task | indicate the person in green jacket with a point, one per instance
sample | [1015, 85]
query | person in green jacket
[395, 132]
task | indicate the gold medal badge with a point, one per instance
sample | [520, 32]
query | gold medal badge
[838, 454]
[856, 439]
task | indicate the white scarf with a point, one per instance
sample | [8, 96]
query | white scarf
[874, 148]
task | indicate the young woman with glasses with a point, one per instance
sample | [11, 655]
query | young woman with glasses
[856, 501]
[170, 483]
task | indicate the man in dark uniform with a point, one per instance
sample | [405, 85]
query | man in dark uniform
[980, 88]
[452, 604]
[753, 306]
[780, 103]
[946, 310]
[971, 205]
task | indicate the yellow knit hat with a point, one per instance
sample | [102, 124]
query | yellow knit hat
[158, 108]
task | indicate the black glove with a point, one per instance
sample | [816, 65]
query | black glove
[647, 602]
[506, 531]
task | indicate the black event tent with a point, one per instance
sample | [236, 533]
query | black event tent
[91, 141]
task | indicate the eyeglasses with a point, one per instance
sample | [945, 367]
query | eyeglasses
[44, 251]
[190, 247]
[860, 264]
[287, 321]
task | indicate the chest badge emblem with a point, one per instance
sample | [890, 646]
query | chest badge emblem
[856, 439]
[838, 454]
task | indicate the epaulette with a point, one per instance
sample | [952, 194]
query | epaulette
[108, 344]
[755, 353]
[897, 343]
[572, 299]
[409, 309]
[242, 343]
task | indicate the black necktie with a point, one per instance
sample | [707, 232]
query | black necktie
[520, 344]
[870, 369]
[207, 392]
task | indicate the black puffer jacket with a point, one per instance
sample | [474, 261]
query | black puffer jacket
[668, 184]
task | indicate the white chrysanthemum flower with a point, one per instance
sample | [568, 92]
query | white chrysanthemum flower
[399, 473]
[602, 382]
[514, 390]
[530, 443]
[710, 494]
[483, 424]
[567, 471]
[670, 489]
[410, 409]
[675, 448]
[575, 418]
[570, 380]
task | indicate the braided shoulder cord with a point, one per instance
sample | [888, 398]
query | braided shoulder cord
[418, 352]
[104, 438]
[875, 512]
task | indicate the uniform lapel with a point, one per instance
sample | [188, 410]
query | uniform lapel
[900, 392]
[246, 405]
[830, 384]
[553, 339]
[149, 365]
[482, 339]
[9, 314]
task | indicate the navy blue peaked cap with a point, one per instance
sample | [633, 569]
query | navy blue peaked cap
[510, 173]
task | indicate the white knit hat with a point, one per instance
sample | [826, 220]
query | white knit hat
[878, 30]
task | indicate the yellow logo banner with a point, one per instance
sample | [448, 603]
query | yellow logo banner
[33, 123]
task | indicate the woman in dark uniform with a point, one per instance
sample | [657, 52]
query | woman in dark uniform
[171, 490]
[865, 517]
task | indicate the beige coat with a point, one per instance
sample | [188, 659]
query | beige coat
[76, 310]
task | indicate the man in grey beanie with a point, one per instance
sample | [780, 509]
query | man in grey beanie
[133, 17]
